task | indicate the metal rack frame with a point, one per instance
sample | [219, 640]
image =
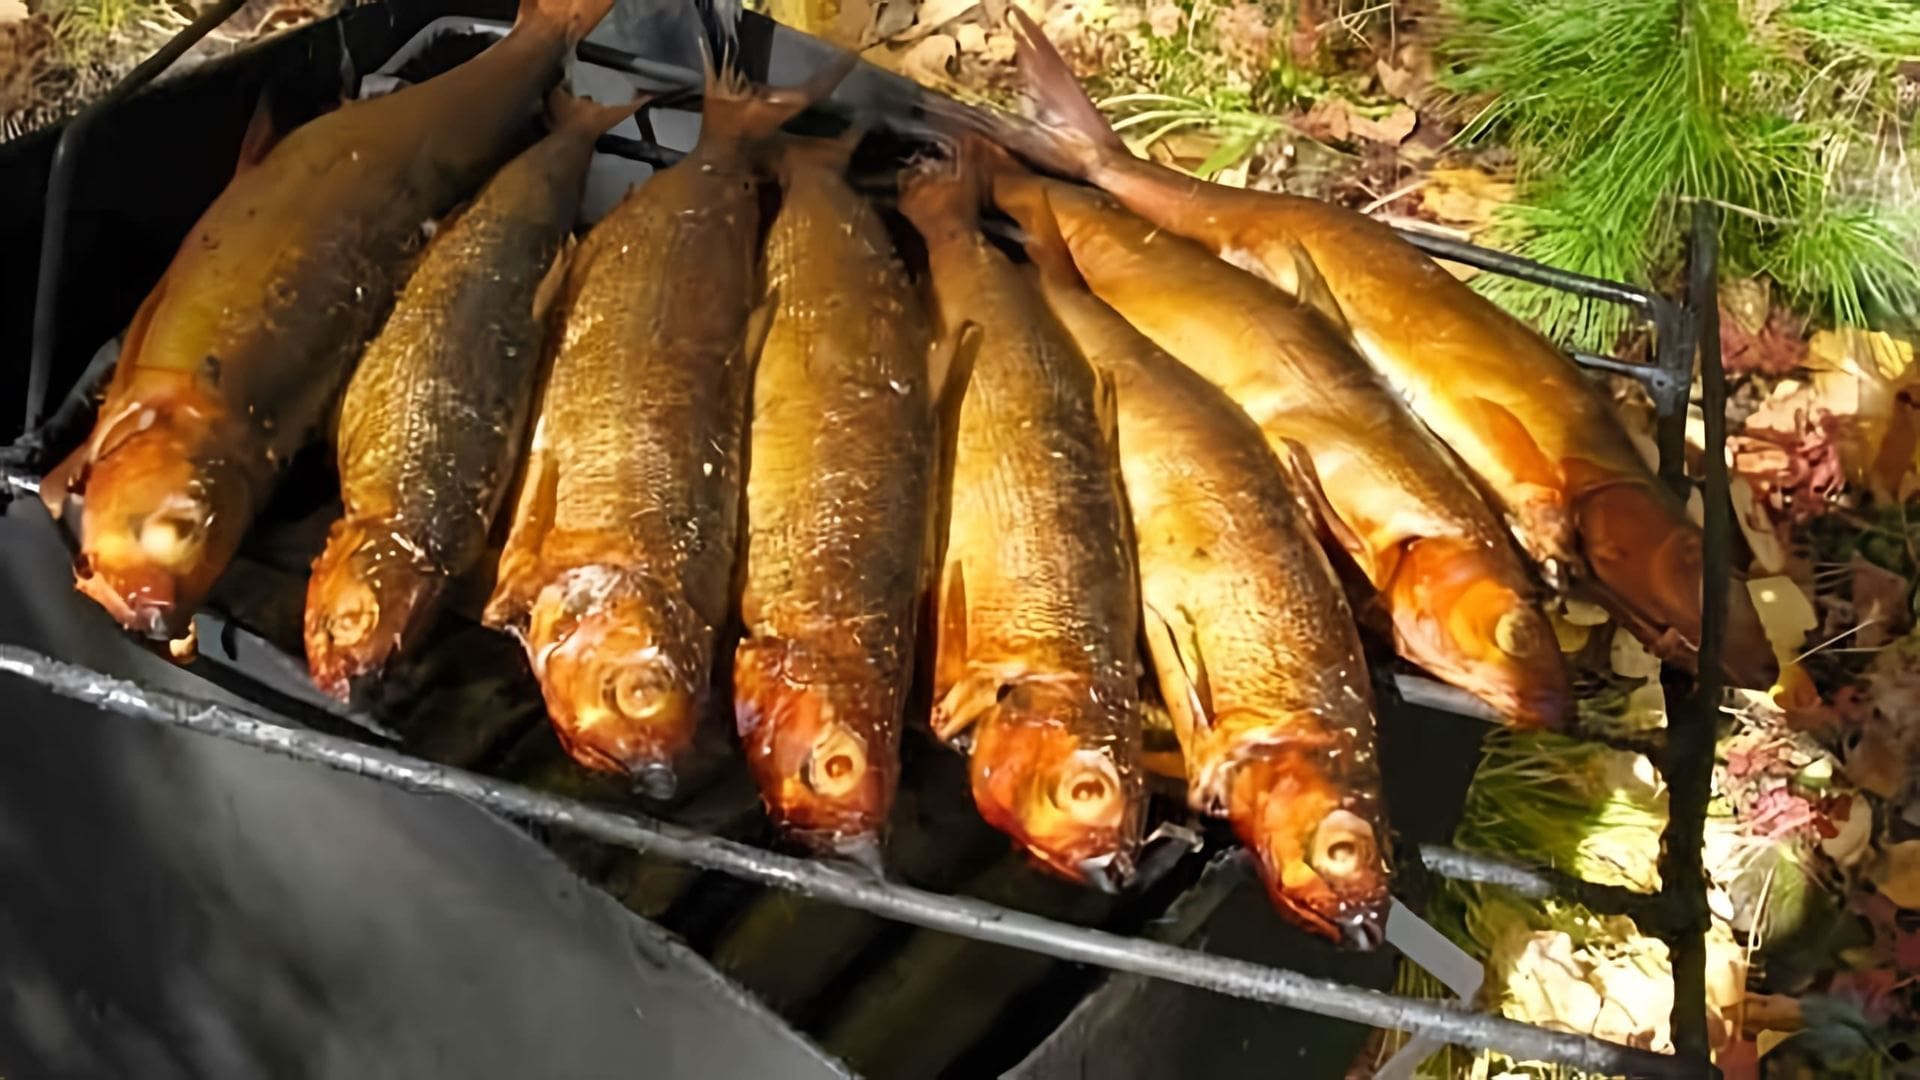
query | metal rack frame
[1678, 912]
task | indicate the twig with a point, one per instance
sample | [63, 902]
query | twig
[1392, 195]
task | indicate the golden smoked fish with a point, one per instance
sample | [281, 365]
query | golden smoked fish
[617, 574]
[240, 349]
[432, 422]
[1038, 603]
[1520, 415]
[839, 511]
[1248, 629]
[1462, 606]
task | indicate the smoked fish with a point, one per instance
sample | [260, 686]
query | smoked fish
[1546, 444]
[240, 350]
[1038, 604]
[1247, 626]
[617, 572]
[839, 510]
[1460, 602]
[433, 419]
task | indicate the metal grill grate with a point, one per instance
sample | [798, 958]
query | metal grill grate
[1677, 913]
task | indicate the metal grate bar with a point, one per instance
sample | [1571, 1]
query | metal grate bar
[956, 915]
[66, 154]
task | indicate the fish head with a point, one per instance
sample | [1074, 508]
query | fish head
[1648, 557]
[1316, 845]
[824, 750]
[623, 696]
[369, 591]
[1458, 612]
[165, 510]
[1074, 804]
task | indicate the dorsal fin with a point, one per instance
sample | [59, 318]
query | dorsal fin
[261, 136]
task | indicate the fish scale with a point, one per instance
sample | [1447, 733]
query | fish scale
[1038, 593]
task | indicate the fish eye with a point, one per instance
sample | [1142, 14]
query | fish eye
[173, 534]
[638, 692]
[1342, 844]
[354, 618]
[837, 763]
[1088, 789]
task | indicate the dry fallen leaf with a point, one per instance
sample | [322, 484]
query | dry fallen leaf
[1882, 604]
[930, 61]
[1329, 120]
[1630, 659]
[1391, 129]
[971, 37]
[1785, 613]
[1763, 536]
[1855, 821]
[933, 15]
[1409, 77]
[12, 11]
[1897, 875]
[1465, 195]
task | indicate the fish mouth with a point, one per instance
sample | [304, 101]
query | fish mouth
[654, 779]
[858, 849]
[1362, 931]
[141, 602]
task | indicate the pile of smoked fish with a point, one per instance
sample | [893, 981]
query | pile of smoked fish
[1168, 439]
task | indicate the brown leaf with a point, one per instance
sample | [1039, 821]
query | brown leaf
[1880, 599]
[1408, 78]
[1893, 463]
[1330, 120]
[1778, 347]
[933, 15]
[1391, 129]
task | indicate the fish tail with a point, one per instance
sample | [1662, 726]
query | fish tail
[1023, 197]
[824, 155]
[1068, 136]
[572, 112]
[738, 111]
[574, 18]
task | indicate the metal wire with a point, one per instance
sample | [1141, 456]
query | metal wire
[956, 915]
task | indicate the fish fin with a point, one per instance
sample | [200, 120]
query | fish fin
[1311, 289]
[1522, 455]
[1304, 479]
[517, 579]
[1106, 407]
[1024, 197]
[943, 194]
[568, 110]
[261, 136]
[962, 696]
[736, 110]
[575, 18]
[760, 324]
[1183, 680]
[547, 293]
[950, 369]
[1061, 103]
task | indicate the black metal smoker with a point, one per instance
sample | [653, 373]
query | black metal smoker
[176, 905]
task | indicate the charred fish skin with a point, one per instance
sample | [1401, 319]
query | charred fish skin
[239, 350]
[433, 417]
[1038, 599]
[617, 574]
[1518, 412]
[1247, 626]
[1461, 603]
[839, 501]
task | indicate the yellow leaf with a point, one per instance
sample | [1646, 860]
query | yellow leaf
[1583, 612]
[1571, 635]
[12, 11]
[929, 62]
[1898, 874]
[1630, 659]
[1767, 1040]
[1467, 196]
[1785, 613]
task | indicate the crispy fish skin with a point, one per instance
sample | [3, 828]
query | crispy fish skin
[1247, 626]
[1461, 604]
[839, 505]
[617, 573]
[1038, 598]
[433, 416]
[1520, 415]
[235, 356]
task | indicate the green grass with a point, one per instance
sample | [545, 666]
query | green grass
[1624, 112]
